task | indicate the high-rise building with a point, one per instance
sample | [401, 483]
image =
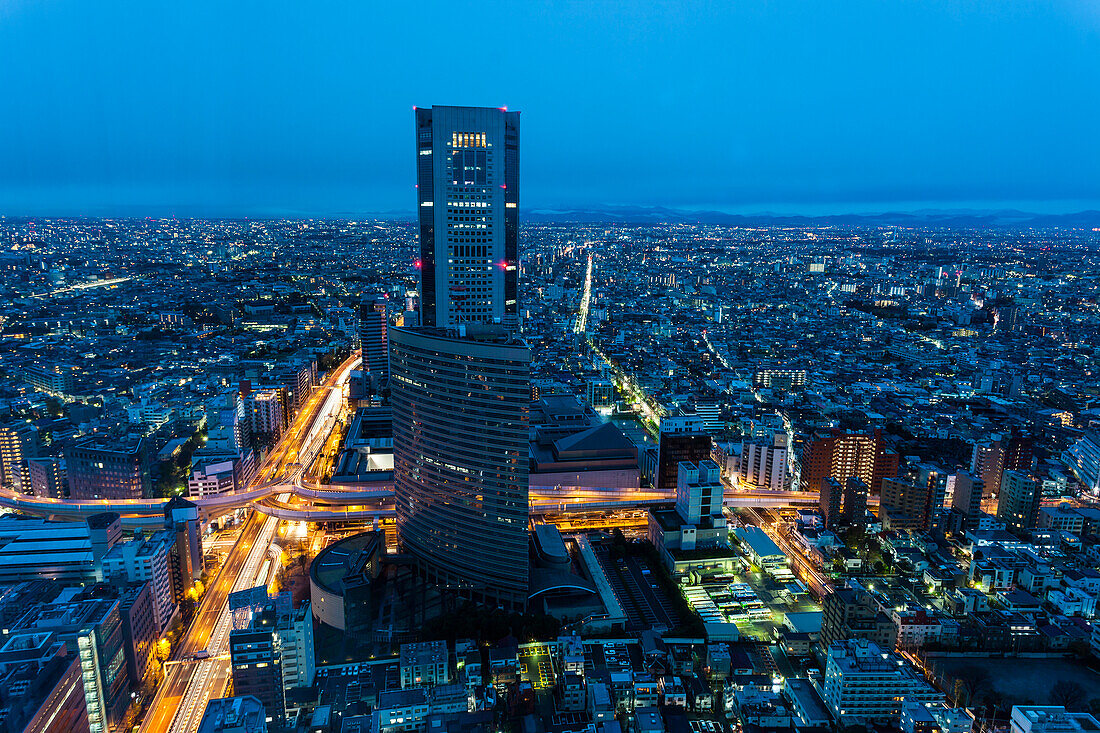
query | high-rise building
[1083, 459]
[47, 477]
[460, 443]
[852, 613]
[257, 663]
[92, 630]
[681, 438]
[41, 683]
[271, 650]
[987, 462]
[146, 559]
[297, 658]
[912, 501]
[864, 683]
[468, 189]
[17, 443]
[841, 454]
[967, 497]
[763, 463]
[843, 504]
[699, 491]
[1018, 504]
[372, 339]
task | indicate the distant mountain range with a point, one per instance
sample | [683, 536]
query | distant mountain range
[947, 218]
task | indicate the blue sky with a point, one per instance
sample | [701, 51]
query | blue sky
[258, 108]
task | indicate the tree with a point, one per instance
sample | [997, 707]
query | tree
[974, 679]
[1068, 694]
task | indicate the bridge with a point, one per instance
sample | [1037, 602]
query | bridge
[350, 502]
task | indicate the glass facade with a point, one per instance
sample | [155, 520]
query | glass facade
[468, 194]
[460, 433]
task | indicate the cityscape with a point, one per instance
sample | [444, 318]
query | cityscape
[485, 464]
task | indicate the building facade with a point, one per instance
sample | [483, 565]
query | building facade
[468, 190]
[460, 435]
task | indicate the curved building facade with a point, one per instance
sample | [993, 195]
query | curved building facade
[460, 436]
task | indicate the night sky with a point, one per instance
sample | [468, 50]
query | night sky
[305, 108]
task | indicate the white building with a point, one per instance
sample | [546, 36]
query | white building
[294, 642]
[862, 683]
[424, 664]
[146, 559]
[919, 716]
[699, 491]
[764, 464]
[1050, 719]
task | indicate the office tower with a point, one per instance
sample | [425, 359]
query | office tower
[460, 445]
[256, 661]
[843, 504]
[967, 498]
[763, 464]
[47, 478]
[681, 438]
[842, 454]
[108, 468]
[1018, 503]
[468, 190]
[372, 339]
[18, 440]
[987, 464]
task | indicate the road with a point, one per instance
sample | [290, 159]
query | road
[801, 565]
[189, 683]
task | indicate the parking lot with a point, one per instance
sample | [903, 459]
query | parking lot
[537, 667]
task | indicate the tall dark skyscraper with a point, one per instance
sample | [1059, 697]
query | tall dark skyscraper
[372, 338]
[468, 190]
[460, 432]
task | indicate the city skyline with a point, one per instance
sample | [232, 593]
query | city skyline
[812, 109]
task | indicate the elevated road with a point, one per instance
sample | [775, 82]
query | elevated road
[190, 683]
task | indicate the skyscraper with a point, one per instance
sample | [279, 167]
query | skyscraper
[460, 446]
[372, 338]
[468, 189]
